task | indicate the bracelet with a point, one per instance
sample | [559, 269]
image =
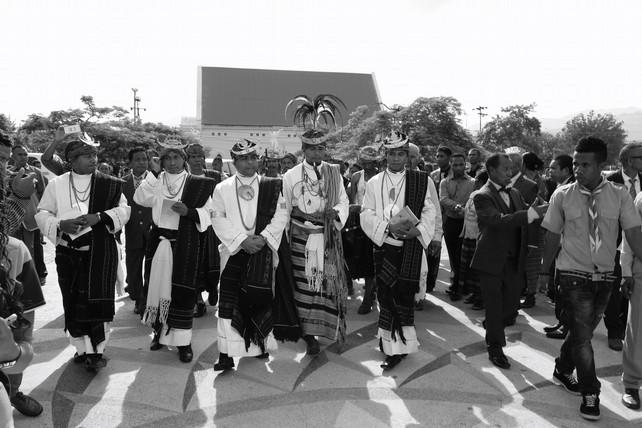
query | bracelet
[11, 363]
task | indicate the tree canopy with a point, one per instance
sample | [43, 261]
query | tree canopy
[604, 126]
[515, 126]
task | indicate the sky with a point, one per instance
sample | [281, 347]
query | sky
[565, 56]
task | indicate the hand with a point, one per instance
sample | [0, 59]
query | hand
[541, 210]
[72, 226]
[24, 184]
[180, 208]
[9, 349]
[91, 219]
[331, 214]
[542, 283]
[252, 244]
[401, 229]
[59, 135]
[434, 248]
[626, 287]
[412, 233]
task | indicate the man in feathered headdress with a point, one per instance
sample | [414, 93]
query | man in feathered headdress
[249, 216]
[80, 212]
[318, 206]
[398, 215]
[181, 205]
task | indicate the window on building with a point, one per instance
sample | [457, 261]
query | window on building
[264, 135]
[225, 134]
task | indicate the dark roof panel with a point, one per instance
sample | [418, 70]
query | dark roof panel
[239, 96]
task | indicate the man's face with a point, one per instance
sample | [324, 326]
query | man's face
[5, 155]
[368, 165]
[196, 162]
[286, 164]
[474, 156]
[413, 158]
[85, 163]
[443, 160]
[105, 168]
[315, 154]
[458, 164]
[588, 170]
[397, 159]
[635, 159]
[555, 172]
[503, 173]
[217, 164]
[516, 163]
[247, 165]
[19, 157]
[138, 164]
[173, 163]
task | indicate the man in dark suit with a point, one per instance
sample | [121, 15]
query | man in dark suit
[630, 176]
[138, 227]
[501, 251]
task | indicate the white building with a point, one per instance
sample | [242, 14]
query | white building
[235, 103]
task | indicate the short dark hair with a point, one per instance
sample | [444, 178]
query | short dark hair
[18, 146]
[532, 161]
[565, 161]
[445, 150]
[592, 145]
[135, 150]
[5, 139]
[494, 159]
[624, 152]
[458, 155]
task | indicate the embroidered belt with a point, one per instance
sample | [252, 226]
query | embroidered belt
[589, 276]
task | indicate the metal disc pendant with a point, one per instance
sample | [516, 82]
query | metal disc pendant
[246, 192]
[391, 194]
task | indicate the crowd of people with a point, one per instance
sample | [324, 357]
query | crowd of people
[277, 245]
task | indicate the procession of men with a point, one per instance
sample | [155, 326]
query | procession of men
[278, 244]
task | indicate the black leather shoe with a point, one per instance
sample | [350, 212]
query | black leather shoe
[95, 362]
[455, 296]
[558, 334]
[263, 356]
[185, 353]
[391, 361]
[497, 357]
[79, 359]
[631, 398]
[528, 302]
[313, 347]
[199, 310]
[552, 328]
[225, 362]
[26, 405]
[155, 345]
[364, 308]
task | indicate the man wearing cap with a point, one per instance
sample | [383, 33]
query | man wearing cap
[249, 216]
[318, 206]
[398, 215]
[210, 270]
[80, 212]
[357, 246]
[181, 205]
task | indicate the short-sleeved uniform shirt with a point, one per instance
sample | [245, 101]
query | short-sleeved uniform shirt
[568, 215]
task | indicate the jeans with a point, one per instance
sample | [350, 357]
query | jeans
[584, 303]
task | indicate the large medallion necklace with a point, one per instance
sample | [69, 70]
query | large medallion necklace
[393, 194]
[245, 191]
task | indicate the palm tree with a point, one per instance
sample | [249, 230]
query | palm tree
[321, 112]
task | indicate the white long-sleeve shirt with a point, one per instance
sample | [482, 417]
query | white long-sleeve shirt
[153, 191]
[59, 203]
[230, 211]
[378, 208]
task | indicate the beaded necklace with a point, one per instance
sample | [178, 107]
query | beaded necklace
[169, 186]
[72, 190]
[238, 202]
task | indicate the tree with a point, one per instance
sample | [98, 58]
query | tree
[603, 126]
[6, 124]
[516, 126]
[553, 145]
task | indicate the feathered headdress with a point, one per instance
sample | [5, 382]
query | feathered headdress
[319, 113]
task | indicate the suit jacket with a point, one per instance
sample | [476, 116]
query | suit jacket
[527, 188]
[140, 219]
[498, 228]
[617, 177]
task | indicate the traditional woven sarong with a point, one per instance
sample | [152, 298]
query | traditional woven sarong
[398, 268]
[468, 278]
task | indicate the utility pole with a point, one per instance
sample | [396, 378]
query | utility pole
[136, 109]
[480, 112]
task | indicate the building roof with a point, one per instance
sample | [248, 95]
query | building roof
[252, 97]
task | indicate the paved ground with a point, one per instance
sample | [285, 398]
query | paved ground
[450, 382]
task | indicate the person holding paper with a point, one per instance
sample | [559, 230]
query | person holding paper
[249, 216]
[398, 215]
[181, 205]
[80, 212]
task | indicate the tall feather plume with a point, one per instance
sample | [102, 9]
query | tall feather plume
[322, 111]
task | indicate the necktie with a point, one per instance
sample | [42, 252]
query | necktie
[594, 229]
[632, 188]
